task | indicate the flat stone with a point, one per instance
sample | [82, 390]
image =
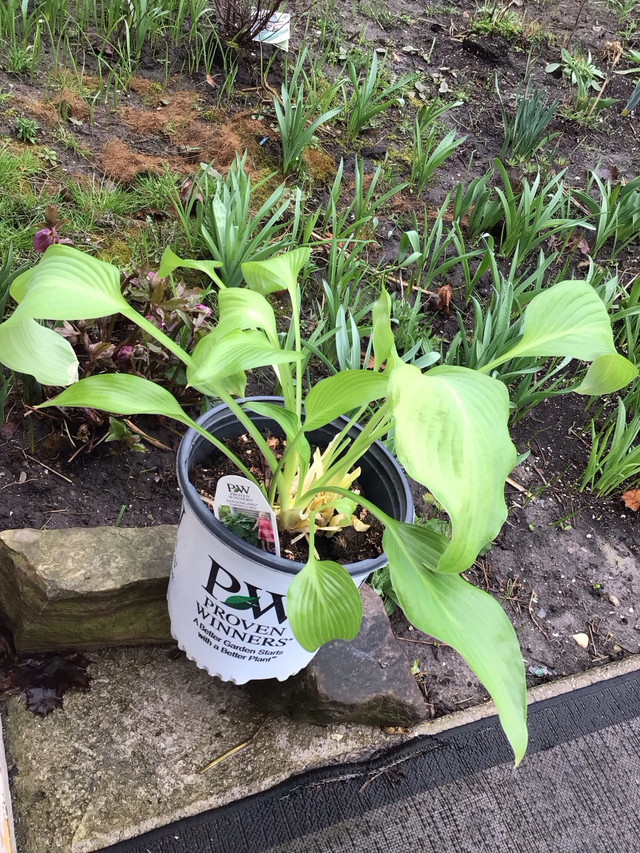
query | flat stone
[366, 680]
[86, 588]
[125, 756]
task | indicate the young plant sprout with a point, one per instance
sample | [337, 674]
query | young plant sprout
[449, 428]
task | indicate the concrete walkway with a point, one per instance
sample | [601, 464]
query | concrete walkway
[125, 757]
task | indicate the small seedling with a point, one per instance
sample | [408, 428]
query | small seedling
[27, 130]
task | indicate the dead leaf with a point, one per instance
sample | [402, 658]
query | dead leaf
[8, 429]
[579, 243]
[582, 640]
[443, 301]
[44, 679]
[631, 499]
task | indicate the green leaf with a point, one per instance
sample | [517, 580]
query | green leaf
[245, 309]
[122, 394]
[341, 393]
[451, 435]
[241, 602]
[232, 383]
[421, 546]
[231, 353]
[568, 319]
[170, 262]
[468, 619]
[28, 347]
[382, 333]
[279, 273]
[608, 373]
[323, 604]
[67, 284]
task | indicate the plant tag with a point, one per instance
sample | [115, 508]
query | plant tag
[277, 30]
[243, 509]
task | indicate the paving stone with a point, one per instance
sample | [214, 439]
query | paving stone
[124, 757]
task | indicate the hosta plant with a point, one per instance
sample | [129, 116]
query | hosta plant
[449, 428]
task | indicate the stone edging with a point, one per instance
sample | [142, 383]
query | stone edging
[558, 687]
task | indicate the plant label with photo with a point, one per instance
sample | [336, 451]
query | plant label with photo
[241, 507]
[277, 31]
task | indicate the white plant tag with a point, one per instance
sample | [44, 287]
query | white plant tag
[277, 31]
[243, 509]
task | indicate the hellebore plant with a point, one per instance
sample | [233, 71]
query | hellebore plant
[449, 427]
[49, 234]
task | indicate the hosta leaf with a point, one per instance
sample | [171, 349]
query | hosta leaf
[28, 347]
[279, 273]
[170, 262]
[466, 618]
[568, 319]
[245, 309]
[122, 394]
[67, 284]
[422, 547]
[341, 393]
[608, 373]
[234, 352]
[286, 418]
[323, 604]
[232, 383]
[451, 435]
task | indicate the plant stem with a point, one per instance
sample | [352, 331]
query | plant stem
[226, 398]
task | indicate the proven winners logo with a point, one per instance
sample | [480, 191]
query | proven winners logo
[231, 617]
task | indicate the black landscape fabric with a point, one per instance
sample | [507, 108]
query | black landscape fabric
[456, 792]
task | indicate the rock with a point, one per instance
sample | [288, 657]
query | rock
[86, 588]
[582, 640]
[367, 680]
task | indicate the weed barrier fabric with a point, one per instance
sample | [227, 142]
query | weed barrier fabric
[578, 789]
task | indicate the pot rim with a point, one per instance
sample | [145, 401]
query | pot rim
[251, 552]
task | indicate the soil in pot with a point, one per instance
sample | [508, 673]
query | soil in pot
[345, 546]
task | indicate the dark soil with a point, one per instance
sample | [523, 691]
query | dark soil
[566, 563]
[51, 479]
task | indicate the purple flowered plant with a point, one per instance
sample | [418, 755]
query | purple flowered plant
[204, 309]
[49, 235]
[123, 356]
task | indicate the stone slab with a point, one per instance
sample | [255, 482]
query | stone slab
[124, 757]
[86, 588]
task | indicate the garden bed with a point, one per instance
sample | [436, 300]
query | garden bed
[112, 153]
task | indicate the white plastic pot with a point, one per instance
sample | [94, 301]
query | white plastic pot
[227, 598]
